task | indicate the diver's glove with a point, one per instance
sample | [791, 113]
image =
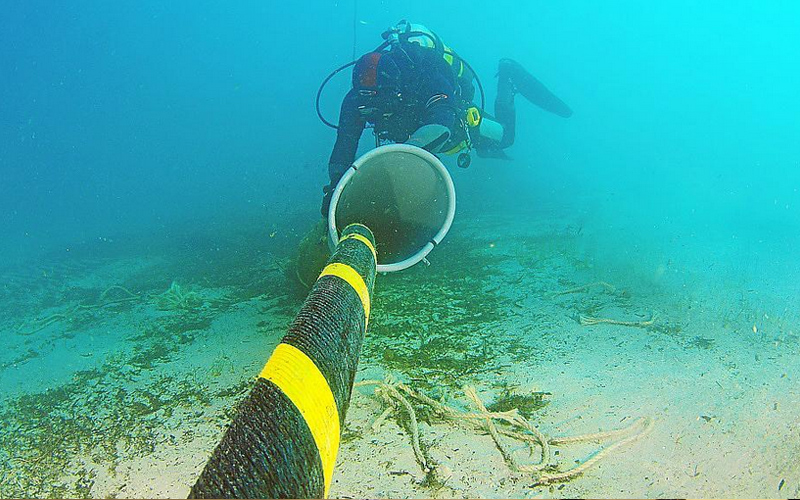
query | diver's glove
[327, 194]
[335, 171]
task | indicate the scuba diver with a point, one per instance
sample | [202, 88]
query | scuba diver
[414, 89]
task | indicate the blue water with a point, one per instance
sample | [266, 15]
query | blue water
[129, 114]
[144, 121]
[126, 116]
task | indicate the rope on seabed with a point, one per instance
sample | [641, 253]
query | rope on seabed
[608, 286]
[36, 325]
[646, 425]
[589, 321]
[483, 420]
[174, 296]
[507, 456]
[390, 392]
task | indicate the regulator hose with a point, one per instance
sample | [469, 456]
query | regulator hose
[322, 87]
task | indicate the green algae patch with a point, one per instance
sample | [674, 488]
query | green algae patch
[440, 325]
[54, 443]
[527, 404]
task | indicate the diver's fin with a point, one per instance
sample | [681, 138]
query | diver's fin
[532, 89]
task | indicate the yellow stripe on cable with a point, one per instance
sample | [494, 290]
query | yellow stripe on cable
[364, 240]
[354, 279]
[301, 381]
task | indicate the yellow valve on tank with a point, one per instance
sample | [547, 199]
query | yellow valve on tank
[473, 117]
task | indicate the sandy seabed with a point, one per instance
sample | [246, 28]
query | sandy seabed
[127, 396]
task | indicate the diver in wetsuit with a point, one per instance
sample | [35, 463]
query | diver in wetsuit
[414, 89]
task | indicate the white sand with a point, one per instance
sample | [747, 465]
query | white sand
[723, 395]
[725, 410]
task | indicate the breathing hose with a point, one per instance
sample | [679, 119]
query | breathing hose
[322, 87]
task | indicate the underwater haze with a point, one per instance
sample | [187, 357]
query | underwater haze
[636, 262]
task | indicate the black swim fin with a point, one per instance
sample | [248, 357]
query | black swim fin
[531, 88]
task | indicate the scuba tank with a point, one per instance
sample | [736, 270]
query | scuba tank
[405, 32]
